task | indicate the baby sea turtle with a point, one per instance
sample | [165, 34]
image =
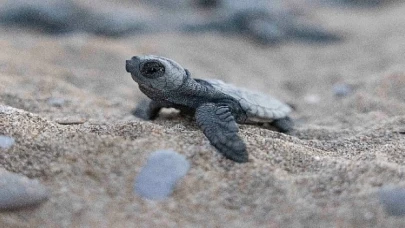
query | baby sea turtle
[217, 106]
[64, 16]
[267, 22]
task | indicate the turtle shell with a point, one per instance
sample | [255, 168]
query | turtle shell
[259, 107]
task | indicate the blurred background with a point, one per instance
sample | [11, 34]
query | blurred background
[307, 52]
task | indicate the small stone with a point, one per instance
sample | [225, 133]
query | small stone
[56, 102]
[18, 191]
[342, 90]
[7, 109]
[393, 200]
[6, 142]
[159, 176]
[312, 98]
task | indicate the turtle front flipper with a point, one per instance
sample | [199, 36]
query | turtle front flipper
[219, 126]
[149, 109]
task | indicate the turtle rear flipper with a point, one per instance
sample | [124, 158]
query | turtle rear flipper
[283, 125]
[220, 128]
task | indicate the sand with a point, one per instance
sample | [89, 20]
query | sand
[87, 148]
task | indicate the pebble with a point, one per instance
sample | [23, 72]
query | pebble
[56, 102]
[342, 90]
[312, 98]
[157, 179]
[7, 110]
[18, 191]
[6, 142]
[393, 200]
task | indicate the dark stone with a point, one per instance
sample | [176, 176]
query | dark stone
[159, 176]
[393, 200]
[17, 191]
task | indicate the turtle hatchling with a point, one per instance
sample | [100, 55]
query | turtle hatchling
[216, 105]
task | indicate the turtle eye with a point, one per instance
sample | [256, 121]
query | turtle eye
[152, 69]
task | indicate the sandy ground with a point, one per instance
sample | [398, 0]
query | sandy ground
[327, 173]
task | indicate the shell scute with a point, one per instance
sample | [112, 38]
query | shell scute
[258, 107]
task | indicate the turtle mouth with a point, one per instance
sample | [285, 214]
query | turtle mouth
[132, 65]
[128, 66]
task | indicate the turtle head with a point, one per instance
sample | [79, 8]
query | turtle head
[156, 73]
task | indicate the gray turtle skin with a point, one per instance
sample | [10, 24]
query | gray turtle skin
[216, 106]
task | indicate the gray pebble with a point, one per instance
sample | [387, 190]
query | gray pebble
[18, 191]
[159, 176]
[7, 110]
[393, 200]
[312, 98]
[6, 142]
[342, 90]
[56, 102]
